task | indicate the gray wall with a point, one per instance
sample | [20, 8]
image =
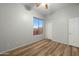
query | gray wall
[59, 21]
[16, 27]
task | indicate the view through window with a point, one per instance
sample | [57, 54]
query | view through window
[37, 26]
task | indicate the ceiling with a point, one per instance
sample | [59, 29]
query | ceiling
[52, 7]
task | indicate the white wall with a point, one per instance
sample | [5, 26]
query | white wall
[16, 26]
[59, 19]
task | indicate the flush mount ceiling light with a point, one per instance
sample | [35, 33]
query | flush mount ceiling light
[42, 4]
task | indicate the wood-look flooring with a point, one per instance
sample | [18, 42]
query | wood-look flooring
[44, 47]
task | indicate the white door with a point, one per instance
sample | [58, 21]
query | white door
[48, 28]
[74, 32]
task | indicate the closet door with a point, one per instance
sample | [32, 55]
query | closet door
[74, 32]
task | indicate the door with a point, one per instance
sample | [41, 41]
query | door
[48, 28]
[74, 32]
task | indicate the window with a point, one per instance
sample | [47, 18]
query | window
[37, 26]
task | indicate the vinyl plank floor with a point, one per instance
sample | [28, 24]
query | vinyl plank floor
[44, 47]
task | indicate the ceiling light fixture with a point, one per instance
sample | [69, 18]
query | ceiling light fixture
[42, 4]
